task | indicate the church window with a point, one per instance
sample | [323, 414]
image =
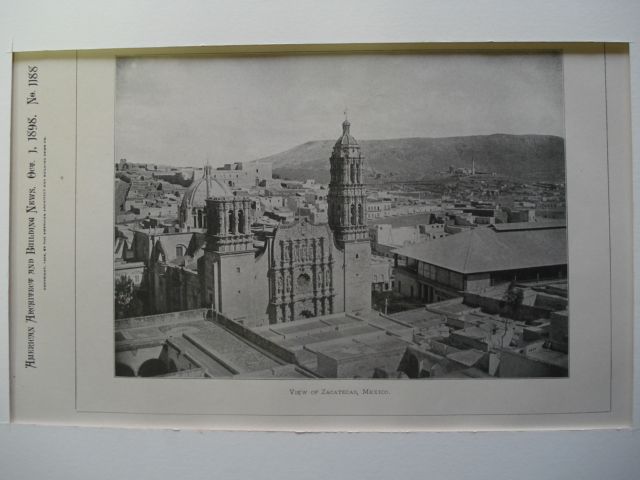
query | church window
[353, 214]
[360, 219]
[241, 221]
[353, 173]
[232, 222]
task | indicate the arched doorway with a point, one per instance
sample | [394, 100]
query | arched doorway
[152, 368]
[303, 282]
[123, 370]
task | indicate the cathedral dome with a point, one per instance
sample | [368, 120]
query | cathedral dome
[346, 140]
[196, 194]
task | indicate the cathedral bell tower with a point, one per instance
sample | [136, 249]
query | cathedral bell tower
[348, 220]
[347, 197]
[226, 269]
[229, 224]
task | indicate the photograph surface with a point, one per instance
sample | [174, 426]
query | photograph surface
[387, 216]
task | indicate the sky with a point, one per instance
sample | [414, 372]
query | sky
[186, 111]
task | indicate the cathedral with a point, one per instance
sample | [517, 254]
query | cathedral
[300, 270]
[303, 270]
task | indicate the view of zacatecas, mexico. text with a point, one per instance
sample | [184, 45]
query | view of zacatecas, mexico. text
[399, 236]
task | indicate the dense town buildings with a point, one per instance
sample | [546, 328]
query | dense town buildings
[229, 272]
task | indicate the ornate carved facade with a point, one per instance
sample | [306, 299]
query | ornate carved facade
[301, 273]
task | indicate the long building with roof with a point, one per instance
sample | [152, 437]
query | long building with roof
[481, 257]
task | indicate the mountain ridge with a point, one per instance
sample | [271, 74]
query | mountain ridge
[528, 157]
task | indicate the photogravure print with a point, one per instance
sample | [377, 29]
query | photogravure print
[340, 216]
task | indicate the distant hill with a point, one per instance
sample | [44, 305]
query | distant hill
[523, 157]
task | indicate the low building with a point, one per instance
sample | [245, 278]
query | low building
[241, 174]
[481, 257]
[133, 270]
[432, 231]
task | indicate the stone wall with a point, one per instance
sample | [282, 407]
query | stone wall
[253, 337]
[161, 319]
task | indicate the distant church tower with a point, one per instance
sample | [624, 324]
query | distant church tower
[229, 224]
[347, 201]
[347, 196]
[226, 268]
